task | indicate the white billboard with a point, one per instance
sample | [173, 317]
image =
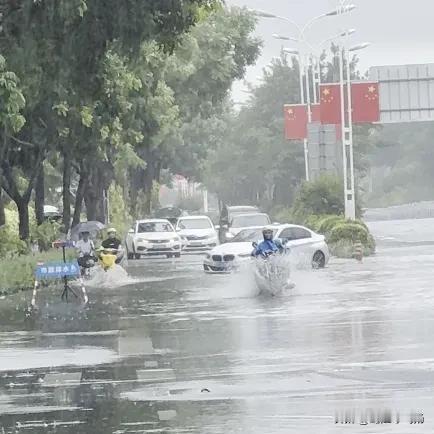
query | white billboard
[406, 92]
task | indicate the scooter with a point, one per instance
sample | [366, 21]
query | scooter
[272, 272]
[86, 264]
[108, 258]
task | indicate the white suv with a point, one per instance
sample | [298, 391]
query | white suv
[153, 237]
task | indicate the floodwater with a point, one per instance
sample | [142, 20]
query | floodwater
[174, 350]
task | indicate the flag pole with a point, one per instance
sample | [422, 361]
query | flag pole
[302, 101]
[352, 202]
[346, 131]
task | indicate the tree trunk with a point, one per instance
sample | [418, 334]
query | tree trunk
[149, 183]
[82, 185]
[23, 213]
[94, 196]
[40, 196]
[90, 206]
[2, 209]
[66, 190]
[136, 176]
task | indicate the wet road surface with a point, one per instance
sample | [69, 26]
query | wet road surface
[175, 350]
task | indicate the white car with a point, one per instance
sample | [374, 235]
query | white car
[153, 237]
[197, 233]
[304, 243]
[246, 221]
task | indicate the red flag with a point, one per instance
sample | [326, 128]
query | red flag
[330, 103]
[315, 112]
[295, 121]
[365, 102]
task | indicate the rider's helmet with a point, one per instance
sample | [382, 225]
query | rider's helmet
[111, 232]
[267, 233]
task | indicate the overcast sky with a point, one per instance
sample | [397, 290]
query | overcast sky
[401, 31]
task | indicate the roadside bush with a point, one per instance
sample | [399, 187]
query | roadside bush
[323, 196]
[314, 221]
[344, 235]
[349, 231]
[283, 215]
[10, 243]
[45, 234]
[328, 223]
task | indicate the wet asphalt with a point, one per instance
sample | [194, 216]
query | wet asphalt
[171, 349]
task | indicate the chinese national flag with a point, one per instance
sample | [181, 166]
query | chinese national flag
[366, 102]
[330, 103]
[295, 121]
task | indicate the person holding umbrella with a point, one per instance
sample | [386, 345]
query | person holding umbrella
[85, 251]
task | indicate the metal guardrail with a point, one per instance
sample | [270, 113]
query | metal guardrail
[418, 210]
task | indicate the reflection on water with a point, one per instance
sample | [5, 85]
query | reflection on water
[175, 350]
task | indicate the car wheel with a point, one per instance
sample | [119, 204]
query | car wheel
[137, 256]
[130, 255]
[169, 255]
[318, 260]
[177, 255]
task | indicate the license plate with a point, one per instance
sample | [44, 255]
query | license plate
[196, 243]
[159, 246]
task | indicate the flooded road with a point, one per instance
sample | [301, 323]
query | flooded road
[176, 350]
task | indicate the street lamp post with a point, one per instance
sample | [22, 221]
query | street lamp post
[350, 192]
[346, 121]
[302, 101]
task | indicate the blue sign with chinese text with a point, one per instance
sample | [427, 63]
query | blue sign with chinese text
[57, 270]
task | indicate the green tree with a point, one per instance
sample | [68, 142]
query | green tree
[60, 50]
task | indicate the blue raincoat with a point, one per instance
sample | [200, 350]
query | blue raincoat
[268, 247]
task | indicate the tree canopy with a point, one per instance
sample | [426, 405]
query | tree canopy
[107, 95]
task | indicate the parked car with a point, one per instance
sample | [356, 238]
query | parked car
[227, 214]
[153, 237]
[244, 221]
[197, 233]
[303, 242]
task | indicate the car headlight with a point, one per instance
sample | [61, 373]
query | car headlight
[141, 240]
[229, 235]
[244, 255]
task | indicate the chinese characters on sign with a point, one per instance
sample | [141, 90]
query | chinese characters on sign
[56, 270]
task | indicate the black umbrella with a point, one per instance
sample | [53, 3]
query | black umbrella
[93, 227]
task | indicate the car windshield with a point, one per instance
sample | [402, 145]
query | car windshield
[248, 236]
[250, 220]
[194, 224]
[154, 227]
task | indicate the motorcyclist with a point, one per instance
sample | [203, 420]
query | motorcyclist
[269, 246]
[85, 250]
[114, 244]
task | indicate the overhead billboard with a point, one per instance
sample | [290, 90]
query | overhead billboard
[406, 92]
